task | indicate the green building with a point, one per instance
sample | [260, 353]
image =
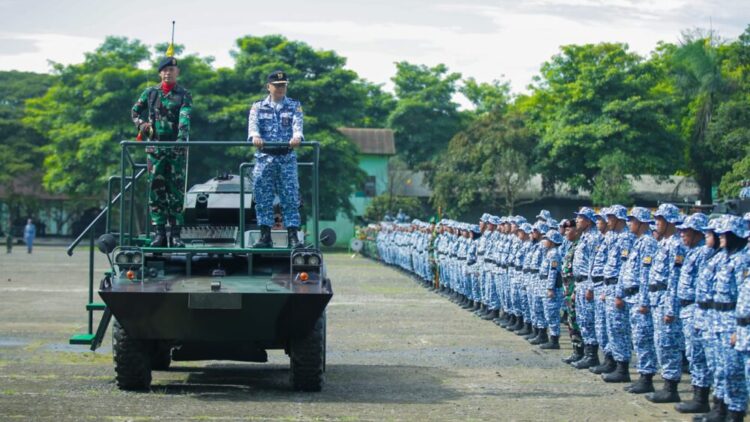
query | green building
[376, 146]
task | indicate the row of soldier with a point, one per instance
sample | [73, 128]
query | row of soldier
[672, 288]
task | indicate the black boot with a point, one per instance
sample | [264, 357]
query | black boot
[542, 339]
[645, 384]
[509, 320]
[525, 330]
[606, 367]
[576, 355]
[160, 237]
[552, 344]
[699, 403]
[265, 238]
[668, 394]
[735, 416]
[519, 324]
[532, 335]
[718, 412]
[174, 240]
[620, 374]
[476, 306]
[491, 315]
[481, 311]
[590, 358]
[292, 238]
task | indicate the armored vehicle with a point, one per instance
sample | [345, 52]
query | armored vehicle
[215, 299]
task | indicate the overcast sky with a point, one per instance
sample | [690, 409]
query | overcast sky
[501, 39]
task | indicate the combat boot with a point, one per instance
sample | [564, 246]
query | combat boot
[668, 393]
[265, 238]
[552, 344]
[606, 367]
[491, 315]
[532, 335]
[482, 309]
[293, 239]
[699, 403]
[476, 306]
[735, 416]
[575, 356]
[525, 330]
[645, 384]
[590, 358]
[174, 239]
[542, 339]
[620, 374]
[718, 412]
[469, 305]
[160, 237]
[519, 324]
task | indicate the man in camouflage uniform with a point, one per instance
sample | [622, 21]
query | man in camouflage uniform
[162, 113]
[277, 119]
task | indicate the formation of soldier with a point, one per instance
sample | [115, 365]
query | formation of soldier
[672, 288]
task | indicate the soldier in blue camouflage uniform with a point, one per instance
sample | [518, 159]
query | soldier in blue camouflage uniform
[501, 257]
[729, 373]
[584, 255]
[596, 278]
[535, 288]
[572, 235]
[631, 292]
[691, 231]
[516, 262]
[277, 119]
[662, 302]
[162, 113]
[742, 336]
[618, 320]
[550, 277]
[483, 278]
[490, 268]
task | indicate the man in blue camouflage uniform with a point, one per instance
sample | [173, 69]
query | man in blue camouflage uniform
[535, 287]
[584, 255]
[550, 277]
[691, 231]
[516, 260]
[277, 119]
[501, 257]
[662, 302]
[631, 292]
[742, 336]
[617, 320]
[482, 275]
[596, 278]
[490, 268]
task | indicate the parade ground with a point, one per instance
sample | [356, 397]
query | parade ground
[395, 352]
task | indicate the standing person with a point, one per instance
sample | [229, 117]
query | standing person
[574, 331]
[277, 119]
[162, 113]
[584, 293]
[551, 279]
[597, 281]
[29, 233]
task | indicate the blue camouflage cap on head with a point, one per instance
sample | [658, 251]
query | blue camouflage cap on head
[485, 217]
[602, 214]
[475, 229]
[618, 211]
[641, 214]
[541, 226]
[526, 227]
[586, 212]
[714, 223]
[733, 224]
[544, 215]
[552, 222]
[554, 236]
[494, 220]
[519, 219]
[746, 217]
[697, 221]
[669, 212]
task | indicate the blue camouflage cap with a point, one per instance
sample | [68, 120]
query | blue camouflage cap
[494, 220]
[714, 223]
[485, 217]
[669, 212]
[733, 224]
[641, 214]
[526, 227]
[541, 226]
[586, 212]
[544, 215]
[602, 214]
[620, 212]
[518, 220]
[697, 221]
[475, 229]
[552, 222]
[554, 236]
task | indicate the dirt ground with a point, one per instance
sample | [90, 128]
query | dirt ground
[395, 352]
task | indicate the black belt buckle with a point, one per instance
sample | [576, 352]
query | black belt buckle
[276, 151]
[610, 281]
[656, 287]
[598, 279]
[630, 291]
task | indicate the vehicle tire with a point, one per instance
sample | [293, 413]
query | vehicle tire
[132, 360]
[307, 358]
[161, 358]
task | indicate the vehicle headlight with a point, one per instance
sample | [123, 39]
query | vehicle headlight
[121, 258]
[137, 258]
[298, 260]
[314, 260]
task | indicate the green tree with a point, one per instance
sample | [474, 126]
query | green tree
[493, 97]
[611, 185]
[425, 117]
[387, 203]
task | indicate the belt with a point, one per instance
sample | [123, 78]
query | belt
[743, 322]
[526, 271]
[276, 151]
[723, 307]
[610, 281]
[598, 279]
[489, 260]
[630, 291]
[705, 305]
[656, 287]
[686, 302]
[533, 271]
[461, 259]
[580, 279]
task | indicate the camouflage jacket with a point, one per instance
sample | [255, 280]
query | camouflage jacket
[169, 114]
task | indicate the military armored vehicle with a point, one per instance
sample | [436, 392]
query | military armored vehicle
[217, 298]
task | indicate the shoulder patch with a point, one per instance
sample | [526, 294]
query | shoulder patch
[647, 260]
[624, 253]
[299, 108]
[678, 260]
[745, 273]
[554, 264]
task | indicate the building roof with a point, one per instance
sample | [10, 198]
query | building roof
[371, 141]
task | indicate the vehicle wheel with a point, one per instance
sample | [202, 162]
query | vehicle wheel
[161, 358]
[132, 360]
[307, 358]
